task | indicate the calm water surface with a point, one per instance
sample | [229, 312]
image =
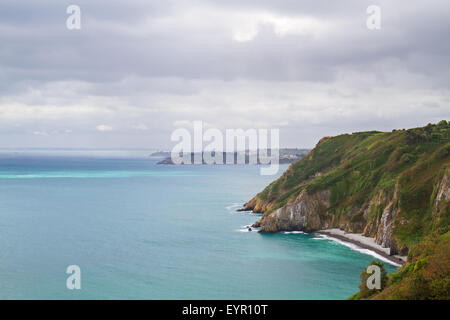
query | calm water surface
[144, 231]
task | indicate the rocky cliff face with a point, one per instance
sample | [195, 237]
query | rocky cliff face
[443, 193]
[393, 187]
[306, 212]
[381, 228]
[384, 232]
[310, 213]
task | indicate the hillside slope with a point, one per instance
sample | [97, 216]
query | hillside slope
[391, 186]
[426, 276]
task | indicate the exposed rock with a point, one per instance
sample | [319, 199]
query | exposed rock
[443, 192]
[304, 213]
[384, 232]
[244, 209]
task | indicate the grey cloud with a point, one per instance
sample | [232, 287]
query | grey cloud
[153, 62]
[98, 54]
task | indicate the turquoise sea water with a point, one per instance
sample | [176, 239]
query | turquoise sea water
[144, 231]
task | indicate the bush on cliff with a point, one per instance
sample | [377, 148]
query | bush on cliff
[364, 291]
[427, 274]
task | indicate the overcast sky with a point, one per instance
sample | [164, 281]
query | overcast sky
[137, 69]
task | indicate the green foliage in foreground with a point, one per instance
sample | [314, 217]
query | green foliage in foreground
[425, 276]
[364, 291]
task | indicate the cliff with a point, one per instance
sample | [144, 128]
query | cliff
[392, 186]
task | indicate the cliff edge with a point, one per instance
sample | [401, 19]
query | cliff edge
[391, 186]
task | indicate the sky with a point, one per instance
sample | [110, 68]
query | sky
[137, 70]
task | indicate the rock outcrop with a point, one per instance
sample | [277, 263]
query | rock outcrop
[306, 212]
[443, 192]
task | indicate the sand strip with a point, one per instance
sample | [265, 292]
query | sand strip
[363, 242]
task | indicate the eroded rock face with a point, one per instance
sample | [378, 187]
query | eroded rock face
[310, 213]
[384, 231]
[376, 219]
[443, 192]
[441, 203]
[371, 216]
[306, 212]
[380, 215]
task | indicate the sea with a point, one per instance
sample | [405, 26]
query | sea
[139, 230]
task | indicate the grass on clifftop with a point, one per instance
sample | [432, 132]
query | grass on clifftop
[356, 167]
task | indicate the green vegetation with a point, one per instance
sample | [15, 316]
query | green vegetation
[393, 186]
[364, 291]
[357, 167]
[426, 276]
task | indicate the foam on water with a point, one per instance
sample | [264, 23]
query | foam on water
[233, 207]
[357, 248]
[245, 229]
[293, 232]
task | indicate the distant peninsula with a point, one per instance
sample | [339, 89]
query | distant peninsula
[286, 156]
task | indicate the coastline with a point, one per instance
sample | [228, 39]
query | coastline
[363, 242]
